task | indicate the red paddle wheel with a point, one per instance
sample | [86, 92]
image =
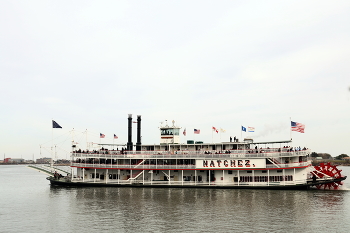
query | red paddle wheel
[327, 170]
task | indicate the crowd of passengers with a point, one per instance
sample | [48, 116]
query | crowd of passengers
[256, 150]
[135, 161]
[101, 151]
[285, 149]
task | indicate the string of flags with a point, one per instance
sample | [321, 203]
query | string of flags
[103, 136]
[295, 126]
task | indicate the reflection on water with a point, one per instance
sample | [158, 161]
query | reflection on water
[148, 209]
[131, 209]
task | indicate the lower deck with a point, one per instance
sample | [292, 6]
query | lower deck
[271, 177]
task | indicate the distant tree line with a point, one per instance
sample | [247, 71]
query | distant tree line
[328, 156]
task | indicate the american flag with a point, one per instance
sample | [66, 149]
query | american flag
[197, 131]
[184, 132]
[115, 136]
[297, 127]
[102, 135]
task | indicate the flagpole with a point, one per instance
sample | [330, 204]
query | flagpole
[290, 127]
[51, 146]
[241, 132]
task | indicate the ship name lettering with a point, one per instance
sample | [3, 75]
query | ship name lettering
[205, 163]
[219, 162]
[226, 163]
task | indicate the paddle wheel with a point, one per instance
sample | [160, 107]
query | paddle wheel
[327, 170]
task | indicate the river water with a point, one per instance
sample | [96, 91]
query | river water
[29, 204]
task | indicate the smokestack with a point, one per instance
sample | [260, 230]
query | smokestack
[138, 143]
[129, 145]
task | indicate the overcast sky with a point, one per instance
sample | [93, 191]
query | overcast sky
[88, 64]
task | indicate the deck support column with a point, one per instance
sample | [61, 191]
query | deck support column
[182, 177]
[169, 178]
[223, 176]
[209, 178]
[195, 177]
[95, 176]
[294, 176]
[238, 177]
[83, 174]
[118, 176]
[130, 176]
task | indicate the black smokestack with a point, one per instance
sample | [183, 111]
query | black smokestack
[129, 145]
[138, 143]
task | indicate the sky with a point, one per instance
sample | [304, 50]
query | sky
[227, 64]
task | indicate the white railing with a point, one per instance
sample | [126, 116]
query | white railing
[283, 165]
[130, 166]
[172, 167]
[191, 154]
[194, 183]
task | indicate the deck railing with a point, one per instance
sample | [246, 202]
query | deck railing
[194, 183]
[268, 153]
[169, 167]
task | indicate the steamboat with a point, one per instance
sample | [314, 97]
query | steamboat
[230, 165]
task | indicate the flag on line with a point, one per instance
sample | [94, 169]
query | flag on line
[102, 135]
[197, 131]
[184, 132]
[215, 129]
[55, 125]
[222, 130]
[244, 129]
[297, 127]
[251, 129]
[115, 136]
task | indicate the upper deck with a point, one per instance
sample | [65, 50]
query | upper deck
[190, 154]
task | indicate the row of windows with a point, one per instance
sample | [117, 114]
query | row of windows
[265, 178]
